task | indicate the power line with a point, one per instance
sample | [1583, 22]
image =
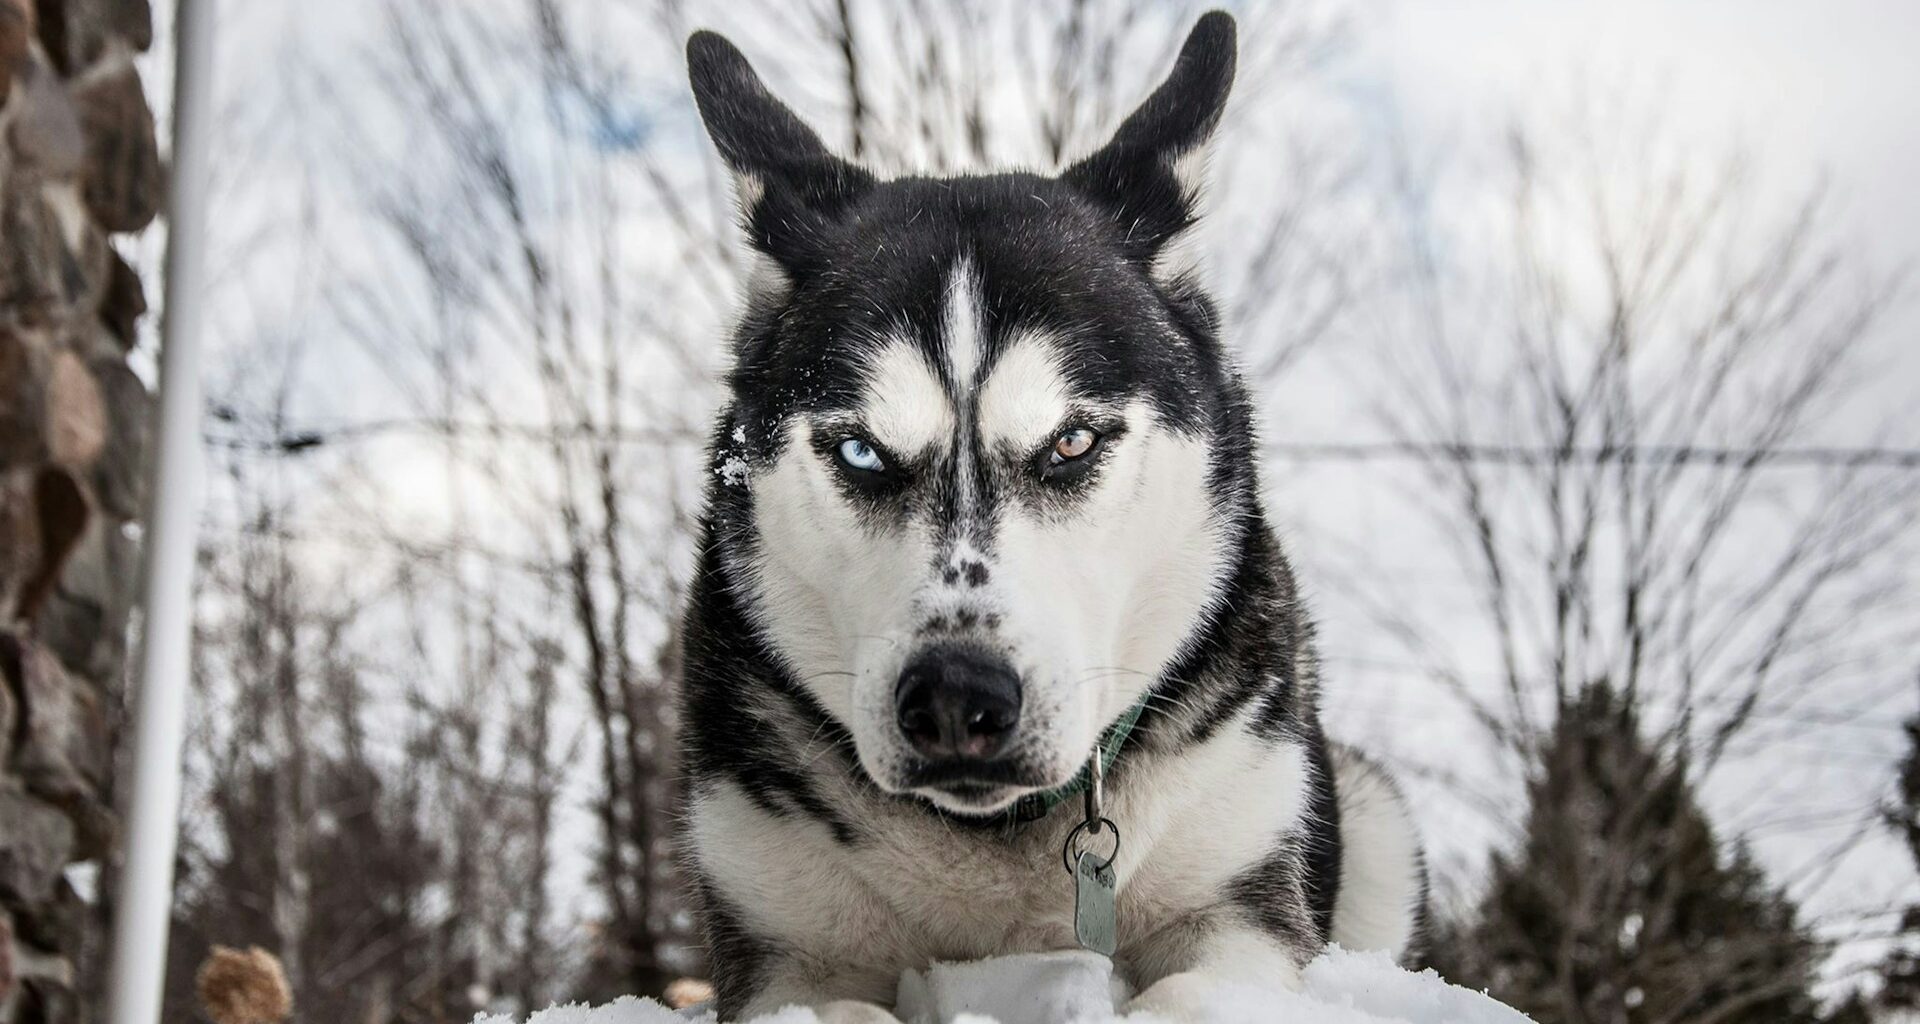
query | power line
[302, 439]
[1655, 455]
[293, 441]
[1807, 713]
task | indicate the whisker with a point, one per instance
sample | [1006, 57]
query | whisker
[1107, 678]
[1114, 670]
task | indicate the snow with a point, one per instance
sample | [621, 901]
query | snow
[1340, 988]
[733, 472]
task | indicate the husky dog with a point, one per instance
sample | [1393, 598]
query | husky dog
[984, 523]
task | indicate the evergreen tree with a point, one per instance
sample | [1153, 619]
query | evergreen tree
[1902, 971]
[1620, 906]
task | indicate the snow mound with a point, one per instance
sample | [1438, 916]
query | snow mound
[1341, 988]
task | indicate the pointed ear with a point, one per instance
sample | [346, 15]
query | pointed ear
[786, 180]
[1151, 175]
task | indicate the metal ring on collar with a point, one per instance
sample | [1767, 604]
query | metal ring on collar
[1091, 828]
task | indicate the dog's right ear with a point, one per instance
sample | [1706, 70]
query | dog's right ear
[787, 182]
[1150, 177]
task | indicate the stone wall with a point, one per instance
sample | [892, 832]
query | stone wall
[78, 165]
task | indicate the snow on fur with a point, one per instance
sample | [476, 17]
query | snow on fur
[1341, 988]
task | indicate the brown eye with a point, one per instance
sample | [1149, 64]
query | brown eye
[1073, 444]
[1072, 456]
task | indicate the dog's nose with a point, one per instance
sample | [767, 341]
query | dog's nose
[957, 703]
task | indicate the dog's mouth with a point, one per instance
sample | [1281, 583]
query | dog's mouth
[975, 789]
[973, 800]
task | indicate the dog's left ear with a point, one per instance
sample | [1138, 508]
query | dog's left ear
[787, 181]
[1151, 174]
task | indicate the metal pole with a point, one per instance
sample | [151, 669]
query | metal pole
[145, 894]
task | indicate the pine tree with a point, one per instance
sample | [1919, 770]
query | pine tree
[1620, 906]
[1901, 974]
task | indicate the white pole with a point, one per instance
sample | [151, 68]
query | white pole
[145, 892]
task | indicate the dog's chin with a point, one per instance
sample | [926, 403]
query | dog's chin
[981, 790]
[973, 800]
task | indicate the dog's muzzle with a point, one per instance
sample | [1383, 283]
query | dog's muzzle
[957, 705]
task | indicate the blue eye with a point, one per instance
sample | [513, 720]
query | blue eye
[858, 454]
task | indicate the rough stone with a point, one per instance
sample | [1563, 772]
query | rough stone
[19, 542]
[49, 999]
[123, 173]
[124, 303]
[63, 753]
[76, 427]
[62, 757]
[60, 514]
[55, 924]
[53, 259]
[37, 847]
[22, 399]
[71, 628]
[120, 475]
[10, 670]
[46, 136]
[80, 32]
[16, 29]
[96, 572]
[6, 947]
[78, 161]
[95, 826]
[96, 588]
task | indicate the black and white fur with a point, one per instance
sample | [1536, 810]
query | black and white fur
[958, 327]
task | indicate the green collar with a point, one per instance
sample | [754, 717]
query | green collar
[1035, 806]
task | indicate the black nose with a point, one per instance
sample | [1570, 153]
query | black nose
[957, 703]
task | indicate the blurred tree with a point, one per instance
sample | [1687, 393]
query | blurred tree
[1621, 409]
[542, 287]
[1619, 385]
[538, 283]
[336, 875]
[1621, 905]
[1900, 976]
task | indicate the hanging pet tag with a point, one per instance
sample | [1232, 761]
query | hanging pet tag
[1094, 923]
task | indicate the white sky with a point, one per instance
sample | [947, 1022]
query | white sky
[1815, 86]
[1811, 89]
[1808, 90]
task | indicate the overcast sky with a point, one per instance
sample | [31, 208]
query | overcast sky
[1811, 89]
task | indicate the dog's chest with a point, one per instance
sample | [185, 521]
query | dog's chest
[904, 891]
[908, 889]
[967, 898]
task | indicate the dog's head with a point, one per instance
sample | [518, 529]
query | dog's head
[985, 465]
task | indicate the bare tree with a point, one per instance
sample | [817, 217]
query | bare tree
[1636, 413]
[552, 281]
[936, 86]
[519, 284]
[1653, 361]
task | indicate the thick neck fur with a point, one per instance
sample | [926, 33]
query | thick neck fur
[1247, 676]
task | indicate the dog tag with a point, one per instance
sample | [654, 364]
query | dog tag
[1094, 922]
